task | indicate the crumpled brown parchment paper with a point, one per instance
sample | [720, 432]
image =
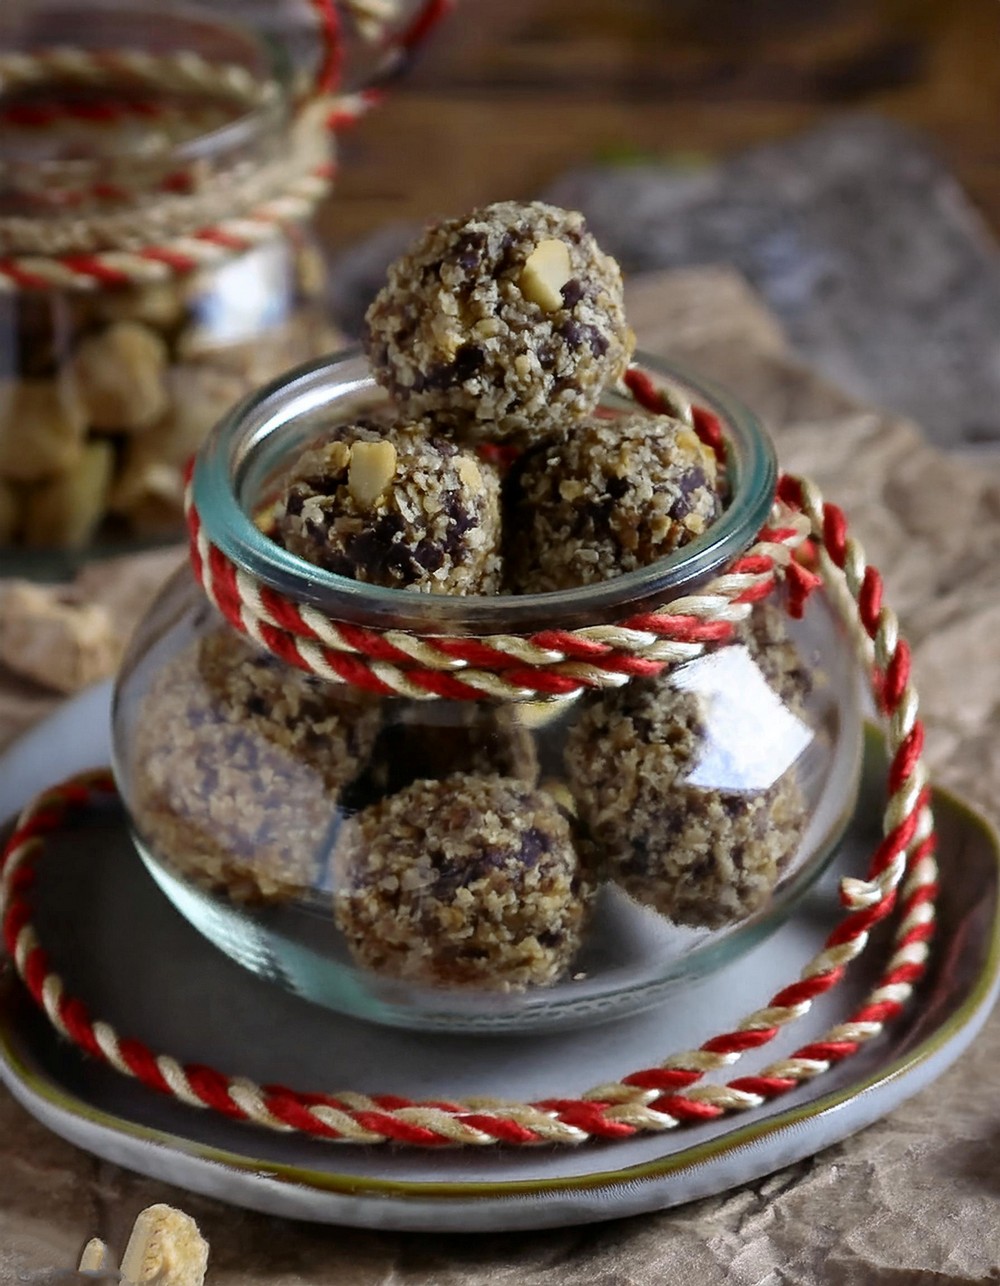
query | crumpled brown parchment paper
[915, 1198]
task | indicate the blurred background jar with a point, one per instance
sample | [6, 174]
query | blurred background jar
[158, 176]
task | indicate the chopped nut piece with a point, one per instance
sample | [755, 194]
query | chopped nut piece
[60, 644]
[149, 490]
[120, 376]
[310, 271]
[372, 468]
[161, 304]
[546, 270]
[470, 473]
[41, 429]
[150, 493]
[96, 1257]
[561, 794]
[165, 1247]
[65, 511]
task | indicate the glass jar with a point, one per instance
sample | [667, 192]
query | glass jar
[479, 865]
[157, 181]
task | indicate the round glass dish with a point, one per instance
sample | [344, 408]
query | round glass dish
[492, 865]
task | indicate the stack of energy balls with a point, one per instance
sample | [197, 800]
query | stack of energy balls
[452, 865]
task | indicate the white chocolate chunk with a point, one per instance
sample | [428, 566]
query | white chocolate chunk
[149, 490]
[64, 512]
[96, 1257]
[166, 1248]
[120, 377]
[546, 270]
[41, 429]
[371, 470]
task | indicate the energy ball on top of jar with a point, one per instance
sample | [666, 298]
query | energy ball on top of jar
[501, 325]
[239, 764]
[436, 739]
[606, 497]
[401, 507]
[690, 794]
[470, 881]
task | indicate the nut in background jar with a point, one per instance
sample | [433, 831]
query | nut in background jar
[105, 396]
[157, 181]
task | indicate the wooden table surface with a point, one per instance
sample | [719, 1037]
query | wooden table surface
[514, 92]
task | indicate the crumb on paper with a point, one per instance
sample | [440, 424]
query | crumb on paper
[51, 638]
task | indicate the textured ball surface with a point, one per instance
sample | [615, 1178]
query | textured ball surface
[608, 497]
[468, 881]
[239, 764]
[700, 845]
[502, 325]
[399, 507]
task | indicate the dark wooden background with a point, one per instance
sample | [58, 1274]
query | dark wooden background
[514, 92]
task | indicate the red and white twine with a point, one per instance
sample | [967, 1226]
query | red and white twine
[901, 877]
[186, 74]
[512, 667]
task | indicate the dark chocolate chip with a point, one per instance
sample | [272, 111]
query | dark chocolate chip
[469, 250]
[577, 334]
[469, 360]
[598, 342]
[506, 256]
[688, 484]
[572, 292]
[534, 845]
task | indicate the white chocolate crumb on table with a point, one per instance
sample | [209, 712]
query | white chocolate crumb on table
[164, 1248]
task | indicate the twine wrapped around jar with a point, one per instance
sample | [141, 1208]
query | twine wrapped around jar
[550, 663]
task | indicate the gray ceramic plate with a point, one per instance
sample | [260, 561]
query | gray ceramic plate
[127, 952]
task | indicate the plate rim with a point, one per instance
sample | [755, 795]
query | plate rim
[687, 1159]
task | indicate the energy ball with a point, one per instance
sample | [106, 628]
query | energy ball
[439, 738]
[607, 497]
[400, 507]
[503, 325]
[765, 635]
[675, 837]
[470, 881]
[240, 762]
